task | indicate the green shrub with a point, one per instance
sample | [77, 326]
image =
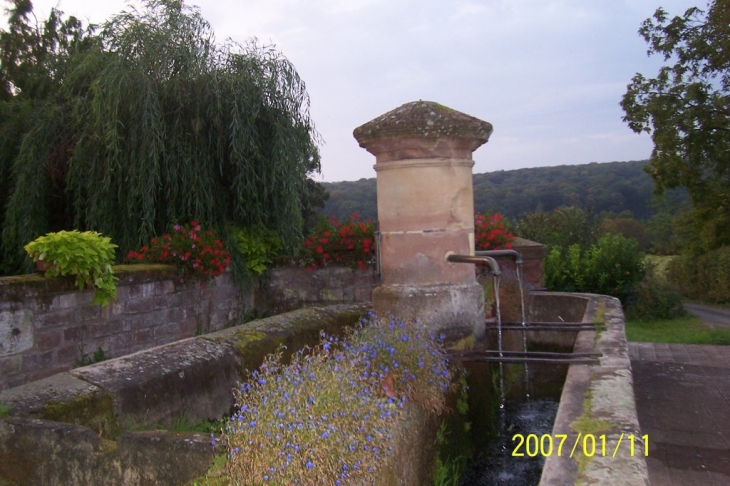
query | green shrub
[612, 266]
[704, 277]
[87, 256]
[257, 248]
[653, 299]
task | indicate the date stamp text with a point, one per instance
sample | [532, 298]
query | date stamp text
[589, 445]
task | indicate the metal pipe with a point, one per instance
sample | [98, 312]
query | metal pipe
[454, 258]
[500, 253]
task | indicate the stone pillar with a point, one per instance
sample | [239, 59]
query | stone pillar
[423, 159]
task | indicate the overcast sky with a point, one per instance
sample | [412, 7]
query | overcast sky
[548, 74]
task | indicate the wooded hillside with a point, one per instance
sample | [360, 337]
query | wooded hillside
[611, 186]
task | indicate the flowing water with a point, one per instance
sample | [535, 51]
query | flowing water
[501, 407]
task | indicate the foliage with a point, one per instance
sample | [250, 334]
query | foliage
[627, 226]
[349, 241]
[681, 330]
[454, 445]
[193, 250]
[491, 233]
[151, 122]
[704, 277]
[653, 299]
[329, 416]
[613, 186]
[670, 231]
[87, 256]
[686, 108]
[257, 248]
[563, 227]
[612, 266]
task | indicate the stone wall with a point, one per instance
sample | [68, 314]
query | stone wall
[288, 286]
[48, 326]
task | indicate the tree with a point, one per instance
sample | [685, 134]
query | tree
[686, 108]
[626, 225]
[561, 227]
[152, 123]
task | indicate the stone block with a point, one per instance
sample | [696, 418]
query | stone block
[55, 318]
[37, 361]
[142, 290]
[455, 311]
[66, 301]
[16, 331]
[68, 354]
[193, 377]
[140, 306]
[9, 365]
[48, 338]
[75, 333]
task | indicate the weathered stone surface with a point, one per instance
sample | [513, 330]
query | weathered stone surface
[42, 452]
[164, 458]
[451, 310]
[32, 398]
[603, 396]
[423, 152]
[422, 129]
[293, 330]
[16, 331]
[191, 378]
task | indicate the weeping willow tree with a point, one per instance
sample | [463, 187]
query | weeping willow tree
[155, 123]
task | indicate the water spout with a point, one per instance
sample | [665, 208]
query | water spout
[477, 260]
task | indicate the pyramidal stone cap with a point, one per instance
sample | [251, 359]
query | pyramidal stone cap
[422, 129]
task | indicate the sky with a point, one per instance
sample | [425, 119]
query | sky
[547, 74]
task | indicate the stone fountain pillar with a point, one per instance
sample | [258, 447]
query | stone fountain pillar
[423, 159]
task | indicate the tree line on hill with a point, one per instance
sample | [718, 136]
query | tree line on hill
[614, 188]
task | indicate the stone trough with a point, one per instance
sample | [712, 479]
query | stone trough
[69, 428]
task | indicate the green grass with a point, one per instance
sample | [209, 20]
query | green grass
[682, 330]
[181, 424]
[4, 409]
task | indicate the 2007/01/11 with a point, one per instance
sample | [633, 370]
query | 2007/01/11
[591, 445]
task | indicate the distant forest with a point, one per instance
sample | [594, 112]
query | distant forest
[612, 187]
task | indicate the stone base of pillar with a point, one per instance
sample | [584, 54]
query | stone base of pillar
[456, 311]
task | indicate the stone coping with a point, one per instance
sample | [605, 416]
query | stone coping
[599, 401]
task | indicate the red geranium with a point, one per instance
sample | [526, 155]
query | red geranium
[341, 241]
[191, 249]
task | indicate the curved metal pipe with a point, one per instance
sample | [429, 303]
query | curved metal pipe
[499, 253]
[454, 258]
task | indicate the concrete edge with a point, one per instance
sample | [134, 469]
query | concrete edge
[602, 398]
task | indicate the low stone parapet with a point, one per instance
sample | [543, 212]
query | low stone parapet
[48, 326]
[78, 427]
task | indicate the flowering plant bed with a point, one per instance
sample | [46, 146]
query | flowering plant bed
[344, 242]
[328, 416]
[195, 251]
[491, 233]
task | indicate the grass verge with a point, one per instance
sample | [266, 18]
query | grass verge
[682, 330]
